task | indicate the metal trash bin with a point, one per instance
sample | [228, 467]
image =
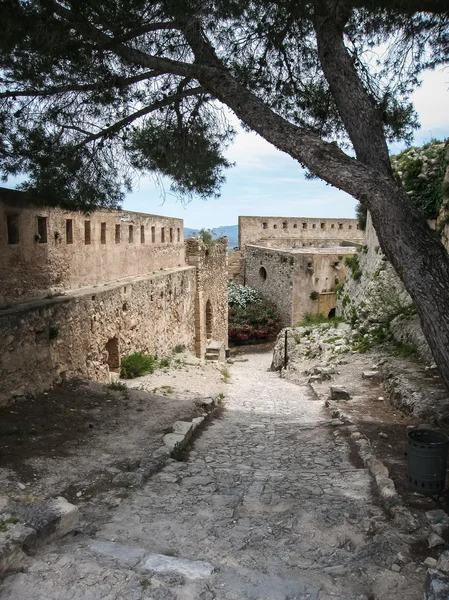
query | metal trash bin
[427, 461]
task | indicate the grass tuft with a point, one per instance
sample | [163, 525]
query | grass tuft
[137, 365]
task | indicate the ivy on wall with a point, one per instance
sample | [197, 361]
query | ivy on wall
[421, 172]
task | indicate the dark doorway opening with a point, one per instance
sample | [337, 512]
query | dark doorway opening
[112, 348]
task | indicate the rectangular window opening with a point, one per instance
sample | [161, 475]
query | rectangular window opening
[162, 234]
[304, 226]
[69, 231]
[42, 229]
[103, 233]
[117, 234]
[153, 234]
[131, 234]
[179, 235]
[323, 225]
[264, 225]
[87, 232]
[142, 234]
[12, 221]
[340, 226]
[171, 235]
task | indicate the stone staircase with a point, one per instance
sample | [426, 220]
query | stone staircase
[215, 351]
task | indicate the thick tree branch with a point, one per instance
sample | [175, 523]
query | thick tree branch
[357, 110]
[118, 82]
[144, 29]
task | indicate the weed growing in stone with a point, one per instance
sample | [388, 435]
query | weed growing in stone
[309, 319]
[405, 350]
[118, 386]
[179, 452]
[225, 375]
[164, 390]
[220, 398]
[8, 521]
[164, 362]
[178, 349]
[353, 263]
[137, 365]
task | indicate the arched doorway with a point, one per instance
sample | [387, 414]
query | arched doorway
[113, 354]
[209, 318]
[331, 314]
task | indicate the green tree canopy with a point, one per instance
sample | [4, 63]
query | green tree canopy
[93, 93]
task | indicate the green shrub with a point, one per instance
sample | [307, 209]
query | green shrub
[136, 365]
[314, 295]
[309, 319]
[53, 332]
[354, 265]
[164, 362]
[178, 349]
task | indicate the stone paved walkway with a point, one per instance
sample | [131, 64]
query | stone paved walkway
[268, 497]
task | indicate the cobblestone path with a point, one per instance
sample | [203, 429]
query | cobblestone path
[268, 497]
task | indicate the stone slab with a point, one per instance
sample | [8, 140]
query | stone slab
[51, 519]
[370, 374]
[125, 555]
[191, 569]
[171, 439]
[182, 427]
[339, 393]
[12, 557]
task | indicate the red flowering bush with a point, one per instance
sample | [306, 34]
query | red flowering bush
[254, 322]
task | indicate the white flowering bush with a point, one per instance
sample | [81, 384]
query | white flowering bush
[241, 295]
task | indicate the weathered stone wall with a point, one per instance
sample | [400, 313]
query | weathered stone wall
[236, 266]
[318, 270]
[80, 250]
[255, 229]
[306, 243]
[288, 278]
[379, 297]
[211, 302]
[77, 334]
[271, 273]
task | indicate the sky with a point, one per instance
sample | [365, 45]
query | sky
[267, 182]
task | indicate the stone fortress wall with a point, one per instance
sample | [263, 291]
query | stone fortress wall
[297, 229]
[73, 306]
[295, 262]
[211, 301]
[46, 249]
[288, 277]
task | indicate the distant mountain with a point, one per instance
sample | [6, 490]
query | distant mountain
[230, 231]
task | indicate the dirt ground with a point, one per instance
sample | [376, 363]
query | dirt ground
[74, 439]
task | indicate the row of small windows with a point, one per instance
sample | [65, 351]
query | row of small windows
[12, 222]
[304, 226]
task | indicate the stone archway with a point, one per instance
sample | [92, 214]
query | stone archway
[112, 348]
